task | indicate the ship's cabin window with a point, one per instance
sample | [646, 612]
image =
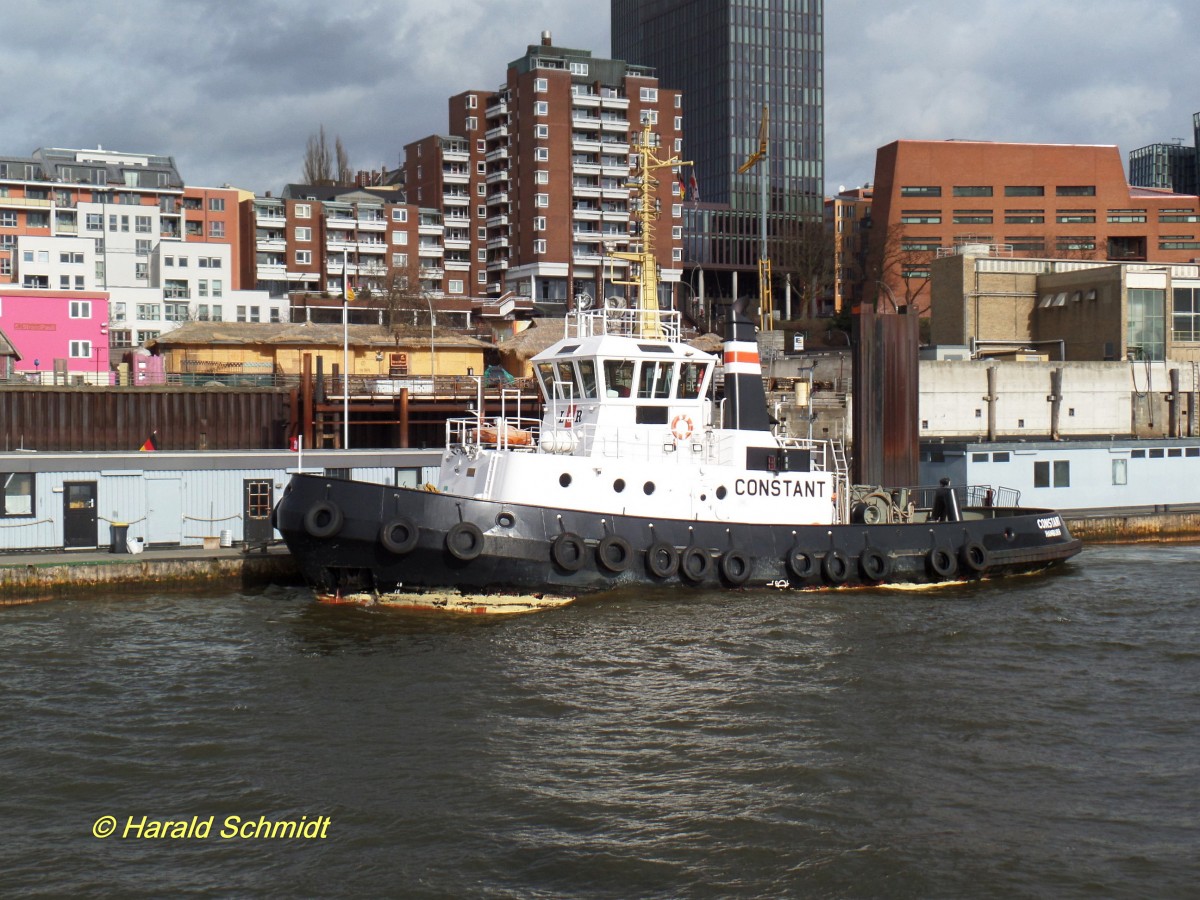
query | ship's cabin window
[691, 380]
[655, 380]
[587, 378]
[618, 377]
[558, 380]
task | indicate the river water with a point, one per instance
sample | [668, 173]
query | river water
[1037, 737]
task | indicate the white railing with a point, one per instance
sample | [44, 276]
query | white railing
[652, 324]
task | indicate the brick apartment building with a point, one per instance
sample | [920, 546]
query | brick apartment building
[848, 219]
[533, 182]
[1024, 200]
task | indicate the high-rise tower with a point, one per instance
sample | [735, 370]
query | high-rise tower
[731, 58]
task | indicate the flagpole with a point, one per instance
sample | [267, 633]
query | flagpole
[345, 350]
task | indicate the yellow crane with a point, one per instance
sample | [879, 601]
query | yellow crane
[766, 316]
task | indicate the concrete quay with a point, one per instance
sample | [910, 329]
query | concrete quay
[32, 576]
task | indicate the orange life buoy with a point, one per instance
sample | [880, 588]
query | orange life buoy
[681, 427]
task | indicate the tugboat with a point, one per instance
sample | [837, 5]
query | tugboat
[636, 474]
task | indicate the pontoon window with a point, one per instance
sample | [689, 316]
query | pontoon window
[618, 377]
[691, 379]
[587, 378]
[655, 380]
[16, 494]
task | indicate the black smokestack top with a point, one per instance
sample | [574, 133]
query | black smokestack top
[745, 399]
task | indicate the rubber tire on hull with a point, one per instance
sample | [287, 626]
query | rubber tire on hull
[874, 564]
[614, 553]
[941, 563]
[662, 560]
[835, 568]
[464, 541]
[974, 557]
[569, 552]
[323, 519]
[399, 535]
[695, 564]
[734, 566]
[800, 564]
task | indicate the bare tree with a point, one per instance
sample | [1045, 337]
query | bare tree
[322, 166]
[898, 262]
[806, 257]
[404, 300]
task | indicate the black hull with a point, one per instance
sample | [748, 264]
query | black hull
[352, 537]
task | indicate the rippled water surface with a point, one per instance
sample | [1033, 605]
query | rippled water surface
[1031, 738]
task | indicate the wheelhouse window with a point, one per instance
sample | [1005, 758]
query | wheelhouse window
[655, 380]
[691, 380]
[16, 494]
[618, 377]
[587, 378]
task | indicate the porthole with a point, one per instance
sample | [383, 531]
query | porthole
[703, 497]
[648, 487]
[506, 520]
[564, 479]
[619, 485]
[721, 492]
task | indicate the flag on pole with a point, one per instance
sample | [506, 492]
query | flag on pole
[150, 444]
[695, 189]
[682, 186]
[349, 292]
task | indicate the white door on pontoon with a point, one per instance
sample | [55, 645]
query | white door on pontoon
[164, 511]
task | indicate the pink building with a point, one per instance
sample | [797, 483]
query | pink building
[47, 326]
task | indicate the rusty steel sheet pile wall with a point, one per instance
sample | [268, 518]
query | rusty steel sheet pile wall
[114, 419]
[886, 399]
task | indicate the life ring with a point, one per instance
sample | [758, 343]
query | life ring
[568, 551]
[464, 541]
[874, 564]
[734, 566]
[974, 557]
[662, 560]
[681, 427]
[835, 568]
[695, 563]
[614, 553]
[323, 519]
[941, 562]
[399, 536]
[799, 563]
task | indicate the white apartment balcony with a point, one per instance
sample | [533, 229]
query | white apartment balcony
[270, 272]
[333, 246]
[372, 247]
[431, 250]
[585, 190]
[335, 265]
[497, 221]
[433, 272]
[456, 199]
[268, 245]
[303, 277]
[456, 156]
[615, 193]
[615, 125]
[66, 227]
[430, 229]
[589, 236]
[495, 134]
[616, 215]
[25, 202]
[458, 244]
[584, 121]
[372, 225]
[585, 257]
[585, 168]
[586, 214]
[496, 154]
[496, 109]
[458, 217]
[495, 243]
[456, 177]
[497, 176]
[458, 265]
[614, 102]
[498, 197]
[580, 145]
[270, 218]
[621, 171]
[614, 147]
[589, 100]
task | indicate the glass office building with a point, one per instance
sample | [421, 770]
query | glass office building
[730, 57]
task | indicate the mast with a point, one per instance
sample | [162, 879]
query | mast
[643, 187]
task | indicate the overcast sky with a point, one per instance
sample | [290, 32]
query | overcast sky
[234, 89]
